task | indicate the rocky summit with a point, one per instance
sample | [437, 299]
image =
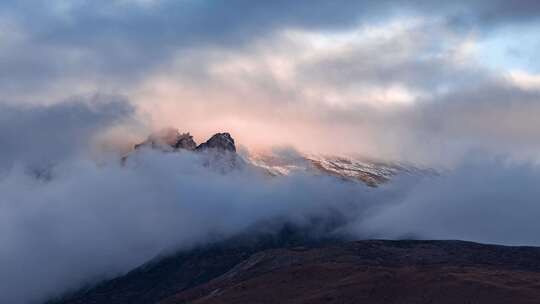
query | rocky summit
[220, 141]
[169, 138]
[370, 172]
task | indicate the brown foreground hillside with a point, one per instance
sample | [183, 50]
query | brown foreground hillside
[353, 272]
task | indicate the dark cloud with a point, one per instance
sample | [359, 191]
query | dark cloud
[178, 23]
[161, 24]
[487, 14]
[39, 136]
[96, 43]
[99, 41]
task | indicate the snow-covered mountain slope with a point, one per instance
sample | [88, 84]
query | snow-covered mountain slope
[371, 172]
[220, 151]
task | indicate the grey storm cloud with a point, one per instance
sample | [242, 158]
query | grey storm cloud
[121, 41]
[160, 24]
[96, 219]
[44, 135]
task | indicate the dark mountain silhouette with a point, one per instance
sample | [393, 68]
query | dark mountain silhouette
[172, 139]
[220, 141]
[282, 269]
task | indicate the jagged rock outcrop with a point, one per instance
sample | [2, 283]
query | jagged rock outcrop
[171, 138]
[218, 153]
[220, 141]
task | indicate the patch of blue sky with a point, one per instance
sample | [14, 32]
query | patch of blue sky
[511, 48]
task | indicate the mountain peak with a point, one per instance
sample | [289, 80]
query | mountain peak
[171, 138]
[219, 141]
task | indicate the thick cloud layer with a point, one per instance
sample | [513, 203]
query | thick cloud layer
[69, 216]
[40, 136]
[483, 200]
[90, 220]
[111, 45]
[418, 81]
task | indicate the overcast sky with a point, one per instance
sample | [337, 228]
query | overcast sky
[455, 86]
[417, 80]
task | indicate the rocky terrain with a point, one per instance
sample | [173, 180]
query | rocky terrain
[370, 172]
[172, 140]
[373, 271]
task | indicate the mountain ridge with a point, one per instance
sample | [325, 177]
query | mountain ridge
[370, 172]
[376, 271]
